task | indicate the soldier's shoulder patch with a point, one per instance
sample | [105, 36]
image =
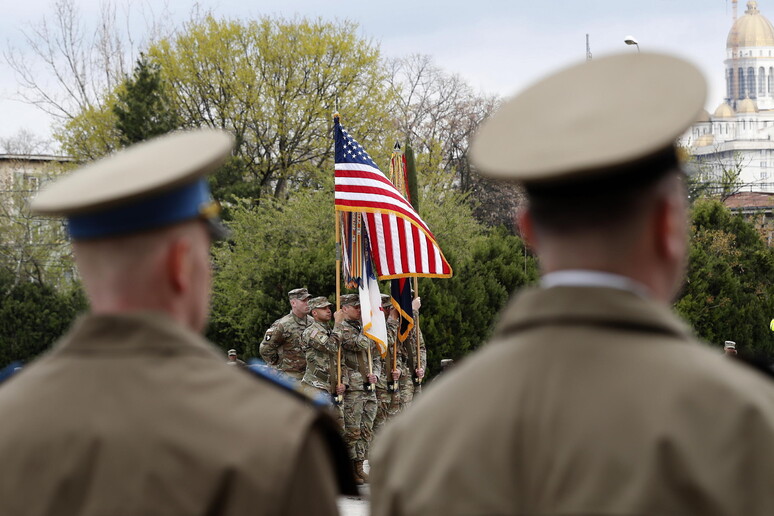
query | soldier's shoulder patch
[313, 333]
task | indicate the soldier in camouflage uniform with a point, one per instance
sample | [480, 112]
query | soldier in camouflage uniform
[281, 346]
[320, 378]
[359, 401]
[387, 401]
[408, 363]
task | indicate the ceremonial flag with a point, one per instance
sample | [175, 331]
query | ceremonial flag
[400, 292]
[359, 274]
[400, 288]
[401, 243]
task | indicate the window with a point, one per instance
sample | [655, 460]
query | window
[751, 82]
[761, 81]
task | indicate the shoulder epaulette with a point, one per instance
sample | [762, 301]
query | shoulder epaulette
[264, 372]
[10, 370]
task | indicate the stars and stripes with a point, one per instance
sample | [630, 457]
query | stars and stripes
[401, 243]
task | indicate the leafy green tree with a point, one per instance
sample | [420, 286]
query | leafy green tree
[275, 85]
[143, 109]
[276, 247]
[729, 293]
[460, 313]
[33, 316]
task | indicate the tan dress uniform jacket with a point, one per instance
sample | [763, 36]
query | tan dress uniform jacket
[135, 414]
[589, 401]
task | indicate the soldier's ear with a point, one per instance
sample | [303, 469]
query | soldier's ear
[526, 227]
[179, 263]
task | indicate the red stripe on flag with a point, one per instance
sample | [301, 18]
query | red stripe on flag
[371, 190]
[374, 239]
[417, 248]
[387, 243]
[404, 259]
[431, 256]
[350, 203]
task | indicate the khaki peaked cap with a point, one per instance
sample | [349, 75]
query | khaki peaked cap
[603, 116]
[151, 184]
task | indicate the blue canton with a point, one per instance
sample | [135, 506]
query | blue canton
[348, 150]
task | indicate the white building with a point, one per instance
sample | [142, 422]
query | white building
[740, 130]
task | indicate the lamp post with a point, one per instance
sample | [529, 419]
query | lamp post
[631, 40]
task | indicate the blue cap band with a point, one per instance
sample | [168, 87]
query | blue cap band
[182, 203]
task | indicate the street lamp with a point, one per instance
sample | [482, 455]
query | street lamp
[631, 40]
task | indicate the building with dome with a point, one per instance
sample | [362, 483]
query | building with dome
[739, 134]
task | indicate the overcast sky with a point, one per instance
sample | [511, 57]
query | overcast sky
[498, 46]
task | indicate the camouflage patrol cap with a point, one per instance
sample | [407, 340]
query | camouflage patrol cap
[232, 352]
[350, 299]
[299, 293]
[386, 301]
[319, 302]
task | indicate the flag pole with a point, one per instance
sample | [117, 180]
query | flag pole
[394, 382]
[338, 398]
[371, 386]
[416, 329]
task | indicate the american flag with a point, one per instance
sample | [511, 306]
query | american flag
[401, 243]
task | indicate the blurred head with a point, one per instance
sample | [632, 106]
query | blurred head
[599, 167]
[165, 270]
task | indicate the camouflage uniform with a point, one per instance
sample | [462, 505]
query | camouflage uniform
[359, 403]
[388, 402]
[320, 377]
[281, 347]
[407, 363]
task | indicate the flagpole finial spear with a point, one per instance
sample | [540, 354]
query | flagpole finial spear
[336, 115]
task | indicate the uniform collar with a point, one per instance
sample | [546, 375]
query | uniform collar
[590, 306]
[589, 278]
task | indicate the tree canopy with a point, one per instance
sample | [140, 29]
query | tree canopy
[729, 292]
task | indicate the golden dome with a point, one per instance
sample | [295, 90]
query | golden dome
[751, 30]
[703, 116]
[748, 105]
[724, 111]
[704, 140]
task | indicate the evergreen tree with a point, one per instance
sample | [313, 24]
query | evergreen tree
[143, 108]
[460, 313]
[729, 293]
[33, 316]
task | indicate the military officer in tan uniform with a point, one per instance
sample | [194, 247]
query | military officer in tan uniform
[128, 412]
[592, 397]
[360, 395]
[320, 378]
[281, 346]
